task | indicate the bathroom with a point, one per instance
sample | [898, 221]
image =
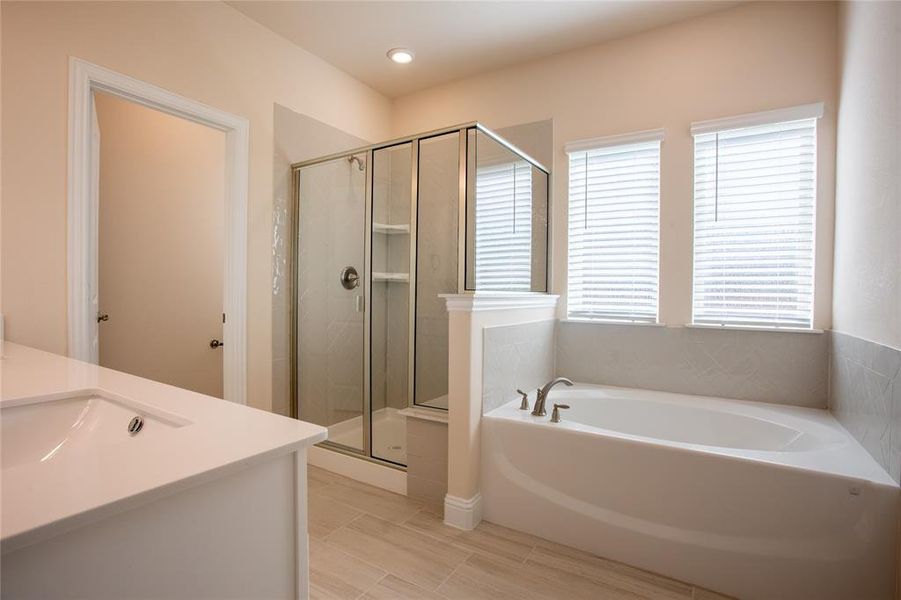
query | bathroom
[292, 294]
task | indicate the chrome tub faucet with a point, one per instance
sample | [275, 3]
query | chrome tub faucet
[539, 410]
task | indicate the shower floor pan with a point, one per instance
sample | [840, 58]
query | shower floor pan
[389, 434]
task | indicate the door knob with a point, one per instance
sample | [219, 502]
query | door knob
[215, 344]
[102, 317]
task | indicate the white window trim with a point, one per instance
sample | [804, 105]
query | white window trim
[793, 113]
[587, 144]
[752, 328]
[650, 135]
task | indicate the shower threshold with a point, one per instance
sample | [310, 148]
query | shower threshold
[389, 434]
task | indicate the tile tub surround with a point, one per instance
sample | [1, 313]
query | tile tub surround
[371, 544]
[782, 367]
[469, 315]
[865, 396]
[516, 356]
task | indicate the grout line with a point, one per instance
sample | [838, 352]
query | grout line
[410, 518]
[371, 587]
[526, 558]
[355, 557]
[326, 537]
[451, 574]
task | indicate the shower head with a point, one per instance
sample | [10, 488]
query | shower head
[361, 164]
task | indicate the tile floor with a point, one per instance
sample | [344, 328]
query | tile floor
[371, 544]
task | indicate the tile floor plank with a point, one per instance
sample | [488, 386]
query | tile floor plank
[318, 478]
[609, 572]
[395, 588]
[380, 503]
[702, 594]
[325, 515]
[499, 579]
[334, 574]
[487, 539]
[371, 544]
[410, 555]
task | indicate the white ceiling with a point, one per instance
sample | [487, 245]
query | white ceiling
[454, 39]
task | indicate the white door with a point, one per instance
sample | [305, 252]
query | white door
[93, 282]
[161, 245]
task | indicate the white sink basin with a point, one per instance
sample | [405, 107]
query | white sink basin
[45, 429]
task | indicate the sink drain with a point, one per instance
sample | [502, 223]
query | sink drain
[135, 425]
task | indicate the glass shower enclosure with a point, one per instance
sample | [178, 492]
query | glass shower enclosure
[380, 233]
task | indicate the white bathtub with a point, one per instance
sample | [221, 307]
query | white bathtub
[749, 499]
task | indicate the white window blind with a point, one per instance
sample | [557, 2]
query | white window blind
[614, 231]
[754, 215]
[503, 227]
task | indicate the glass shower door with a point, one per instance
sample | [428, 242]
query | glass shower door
[330, 296]
[390, 309]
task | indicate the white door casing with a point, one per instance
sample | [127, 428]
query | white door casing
[83, 192]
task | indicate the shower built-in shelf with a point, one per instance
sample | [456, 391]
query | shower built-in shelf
[391, 277]
[390, 229]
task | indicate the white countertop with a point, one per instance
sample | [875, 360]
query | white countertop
[40, 500]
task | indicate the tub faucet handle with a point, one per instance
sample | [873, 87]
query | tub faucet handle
[555, 415]
[524, 405]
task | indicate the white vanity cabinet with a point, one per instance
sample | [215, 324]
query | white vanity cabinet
[206, 499]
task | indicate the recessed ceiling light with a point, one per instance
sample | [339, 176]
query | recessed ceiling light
[401, 56]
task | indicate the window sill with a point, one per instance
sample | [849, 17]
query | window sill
[753, 328]
[606, 322]
[583, 321]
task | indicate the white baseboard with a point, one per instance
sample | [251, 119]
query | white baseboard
[463, 513]
[380, 476]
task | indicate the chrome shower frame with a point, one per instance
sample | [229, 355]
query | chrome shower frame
[366, 275]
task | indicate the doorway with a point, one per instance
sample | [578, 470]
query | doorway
[84, 219]
[161, 208]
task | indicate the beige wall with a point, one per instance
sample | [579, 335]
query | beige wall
[750, 58]
[161, 245]
[868, 175]
[206, 51]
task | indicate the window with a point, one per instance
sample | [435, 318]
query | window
[503, 226]
[614, 228]
[754, 216]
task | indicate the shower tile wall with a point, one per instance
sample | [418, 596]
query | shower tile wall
[390, 300]
[865, 396]
[297, 138]
[766, 366]
[436, 259]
